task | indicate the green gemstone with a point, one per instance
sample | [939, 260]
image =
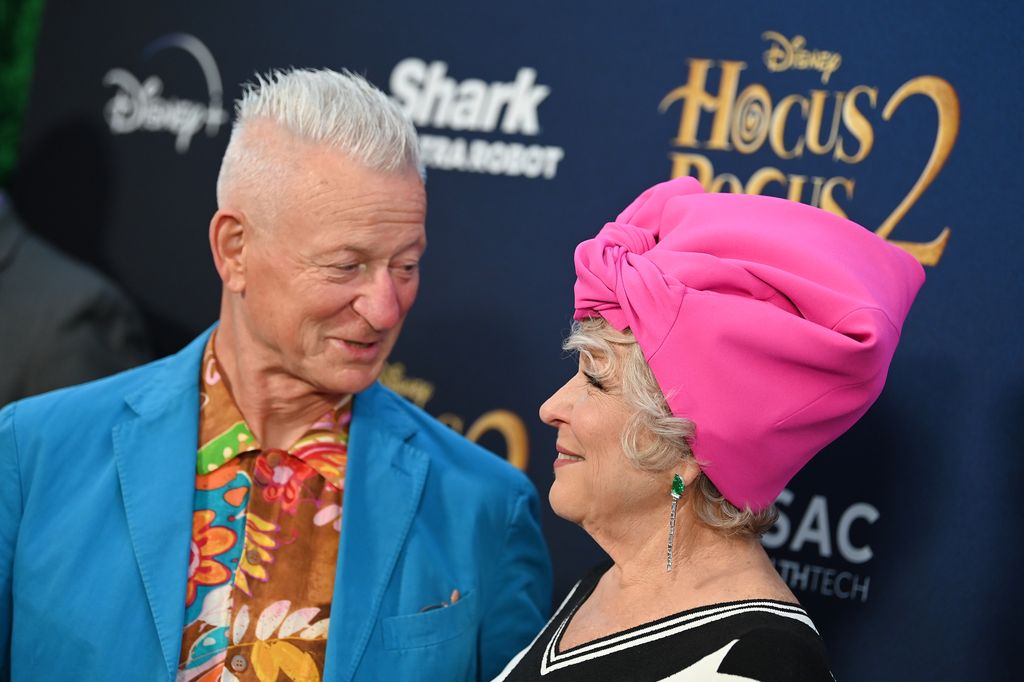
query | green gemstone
[677, 485]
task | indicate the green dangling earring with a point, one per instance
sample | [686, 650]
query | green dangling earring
[677, 491]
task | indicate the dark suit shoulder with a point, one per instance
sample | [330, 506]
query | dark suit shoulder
[94, 402]
[73, 324]
[93, 407]
[76, 428]
[46, 283]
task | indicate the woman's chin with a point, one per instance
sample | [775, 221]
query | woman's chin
[563, 504]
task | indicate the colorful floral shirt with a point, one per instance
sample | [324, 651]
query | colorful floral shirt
[265, 531]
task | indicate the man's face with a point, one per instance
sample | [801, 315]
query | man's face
[331, 270]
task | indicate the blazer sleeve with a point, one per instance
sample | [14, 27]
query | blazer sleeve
[521, 585]
[10, 518]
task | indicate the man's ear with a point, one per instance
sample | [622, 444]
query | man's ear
[228, 234]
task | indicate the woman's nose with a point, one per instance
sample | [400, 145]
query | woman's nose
[555, 410]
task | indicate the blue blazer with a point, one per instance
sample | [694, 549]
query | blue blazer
[96, 486]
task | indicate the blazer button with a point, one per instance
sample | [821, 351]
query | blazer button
[238, 663]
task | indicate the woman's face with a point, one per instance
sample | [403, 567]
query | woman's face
[595, 484]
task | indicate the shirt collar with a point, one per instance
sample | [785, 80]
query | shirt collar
[224, 434]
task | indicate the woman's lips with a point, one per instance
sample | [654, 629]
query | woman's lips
[565, 457]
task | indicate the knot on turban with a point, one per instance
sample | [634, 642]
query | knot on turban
[616, 278]
[769, 323]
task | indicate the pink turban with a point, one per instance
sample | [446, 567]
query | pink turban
[769, 323]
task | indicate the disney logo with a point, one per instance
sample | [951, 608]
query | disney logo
[141, 105]
[785, 54]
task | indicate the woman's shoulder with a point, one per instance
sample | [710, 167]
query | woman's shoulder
[756, 639]
[770, 640]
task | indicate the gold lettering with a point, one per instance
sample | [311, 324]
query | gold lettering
[947, 106]
[828, 202]
[419, 391]
[779, 55]
[511, 428]
[696, 99]
[784, 54]
[453, 421]
[814, 121]
[796, 189]
[720, 181]
[752, 119]
[762, 177]
[857, 124]
[683, 165]
[777, 136]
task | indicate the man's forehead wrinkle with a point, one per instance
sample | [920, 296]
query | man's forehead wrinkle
[376, 232]
[329, 201]
[373, 239]
[367, 216]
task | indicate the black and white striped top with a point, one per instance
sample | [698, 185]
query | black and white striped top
[762, 639]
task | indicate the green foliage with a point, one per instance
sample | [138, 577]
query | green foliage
[19, 28]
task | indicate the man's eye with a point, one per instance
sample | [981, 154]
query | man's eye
[349, 268]
[407, 268]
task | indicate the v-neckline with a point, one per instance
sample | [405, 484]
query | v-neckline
[559, 633]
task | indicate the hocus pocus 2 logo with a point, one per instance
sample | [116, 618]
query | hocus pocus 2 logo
[824, 122]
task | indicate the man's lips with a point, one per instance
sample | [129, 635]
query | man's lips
[358, 341]
[360, 344]
[363, 349]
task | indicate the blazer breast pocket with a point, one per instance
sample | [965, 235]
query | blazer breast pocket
[431, 627]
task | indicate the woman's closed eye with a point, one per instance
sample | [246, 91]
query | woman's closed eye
[594, 381]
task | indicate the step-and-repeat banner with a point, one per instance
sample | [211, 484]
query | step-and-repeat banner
[539, 123]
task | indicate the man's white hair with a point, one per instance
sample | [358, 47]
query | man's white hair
[339, 110]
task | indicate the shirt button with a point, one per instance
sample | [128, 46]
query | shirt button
[238, 663]
[253, 556]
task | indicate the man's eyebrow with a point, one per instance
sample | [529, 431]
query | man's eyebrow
[418, 243]
[352, 249]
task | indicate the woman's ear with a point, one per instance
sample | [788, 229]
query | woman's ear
[690, 472]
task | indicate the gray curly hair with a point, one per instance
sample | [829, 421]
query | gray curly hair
[654, 439]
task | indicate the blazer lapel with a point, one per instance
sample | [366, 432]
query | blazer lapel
[383, 484]
[155, 452]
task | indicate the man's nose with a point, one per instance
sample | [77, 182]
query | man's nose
[378, 302]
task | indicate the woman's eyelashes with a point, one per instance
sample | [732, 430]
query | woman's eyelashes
[594, 381]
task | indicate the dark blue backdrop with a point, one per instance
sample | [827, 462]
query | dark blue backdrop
[901, 539]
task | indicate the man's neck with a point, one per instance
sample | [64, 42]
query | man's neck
[277, 407]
